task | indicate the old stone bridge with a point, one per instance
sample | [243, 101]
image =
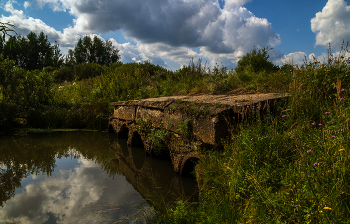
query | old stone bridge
[185, 126]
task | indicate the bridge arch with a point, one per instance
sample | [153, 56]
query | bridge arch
[188, 165]
[123, 132]
[136, 139]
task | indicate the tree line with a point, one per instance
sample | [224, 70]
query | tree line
[36, 52]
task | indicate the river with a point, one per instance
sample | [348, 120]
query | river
[83, 177]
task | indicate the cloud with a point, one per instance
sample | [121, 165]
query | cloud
[301, 57]
[183, 24]
[26, 4]
[24, 25]
[162, 29]
[192, 24]
[235, 3]
[332, 25]
[295, 58]
[66, 196]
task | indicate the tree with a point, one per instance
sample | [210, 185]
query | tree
[70, 59]
[256, 61]
[5, 28]
[80, 52]
[57, 58]
[34, 52]
[95, 50]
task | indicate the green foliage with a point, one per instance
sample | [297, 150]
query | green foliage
[184, 129]
[254, 62]
[156, 137]
[93, 84]
[266, 172]
[93, 50]
[206, 112]
[5, 28]
[64, 74]
[292, 166]
[218, 105]
[33, 52]
[87, 70]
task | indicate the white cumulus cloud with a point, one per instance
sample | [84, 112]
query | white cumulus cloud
[332, 25]
[294, 58]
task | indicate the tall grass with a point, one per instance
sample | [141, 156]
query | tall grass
[80, 102]
[289, 167]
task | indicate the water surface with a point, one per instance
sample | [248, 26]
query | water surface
[86, 177]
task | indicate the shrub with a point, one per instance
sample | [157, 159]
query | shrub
[64, 74]
[87, 70]
[256, 61]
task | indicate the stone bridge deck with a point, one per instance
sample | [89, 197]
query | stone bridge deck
[184, 126]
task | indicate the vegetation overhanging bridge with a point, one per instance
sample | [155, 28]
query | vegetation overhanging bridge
[185, 126]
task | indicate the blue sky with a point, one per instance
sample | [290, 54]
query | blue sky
[172, 32]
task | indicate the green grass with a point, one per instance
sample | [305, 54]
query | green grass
[289, 167]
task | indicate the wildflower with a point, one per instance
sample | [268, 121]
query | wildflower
[320, 124]
[328, 208]
[315, 164]
[308, 151]
[342, 90]
[251, 198]
[283, 115]
[313, 123]
[327, 112]
[291, 137]
[341, 98]
[333, 136]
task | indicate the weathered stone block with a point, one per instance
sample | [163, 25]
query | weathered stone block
[204, 129]
[172, 119]
[152, 115]
[125, 113]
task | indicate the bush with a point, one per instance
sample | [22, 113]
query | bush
[256, 61]
[87, 70]
[64, 74]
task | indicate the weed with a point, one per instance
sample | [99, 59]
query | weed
[184, 129]
[172, 107]
[206, 112]
[218, 105]
[179, 101]
[170, 124]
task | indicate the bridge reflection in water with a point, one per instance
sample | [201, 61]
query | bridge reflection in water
[153, 178]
